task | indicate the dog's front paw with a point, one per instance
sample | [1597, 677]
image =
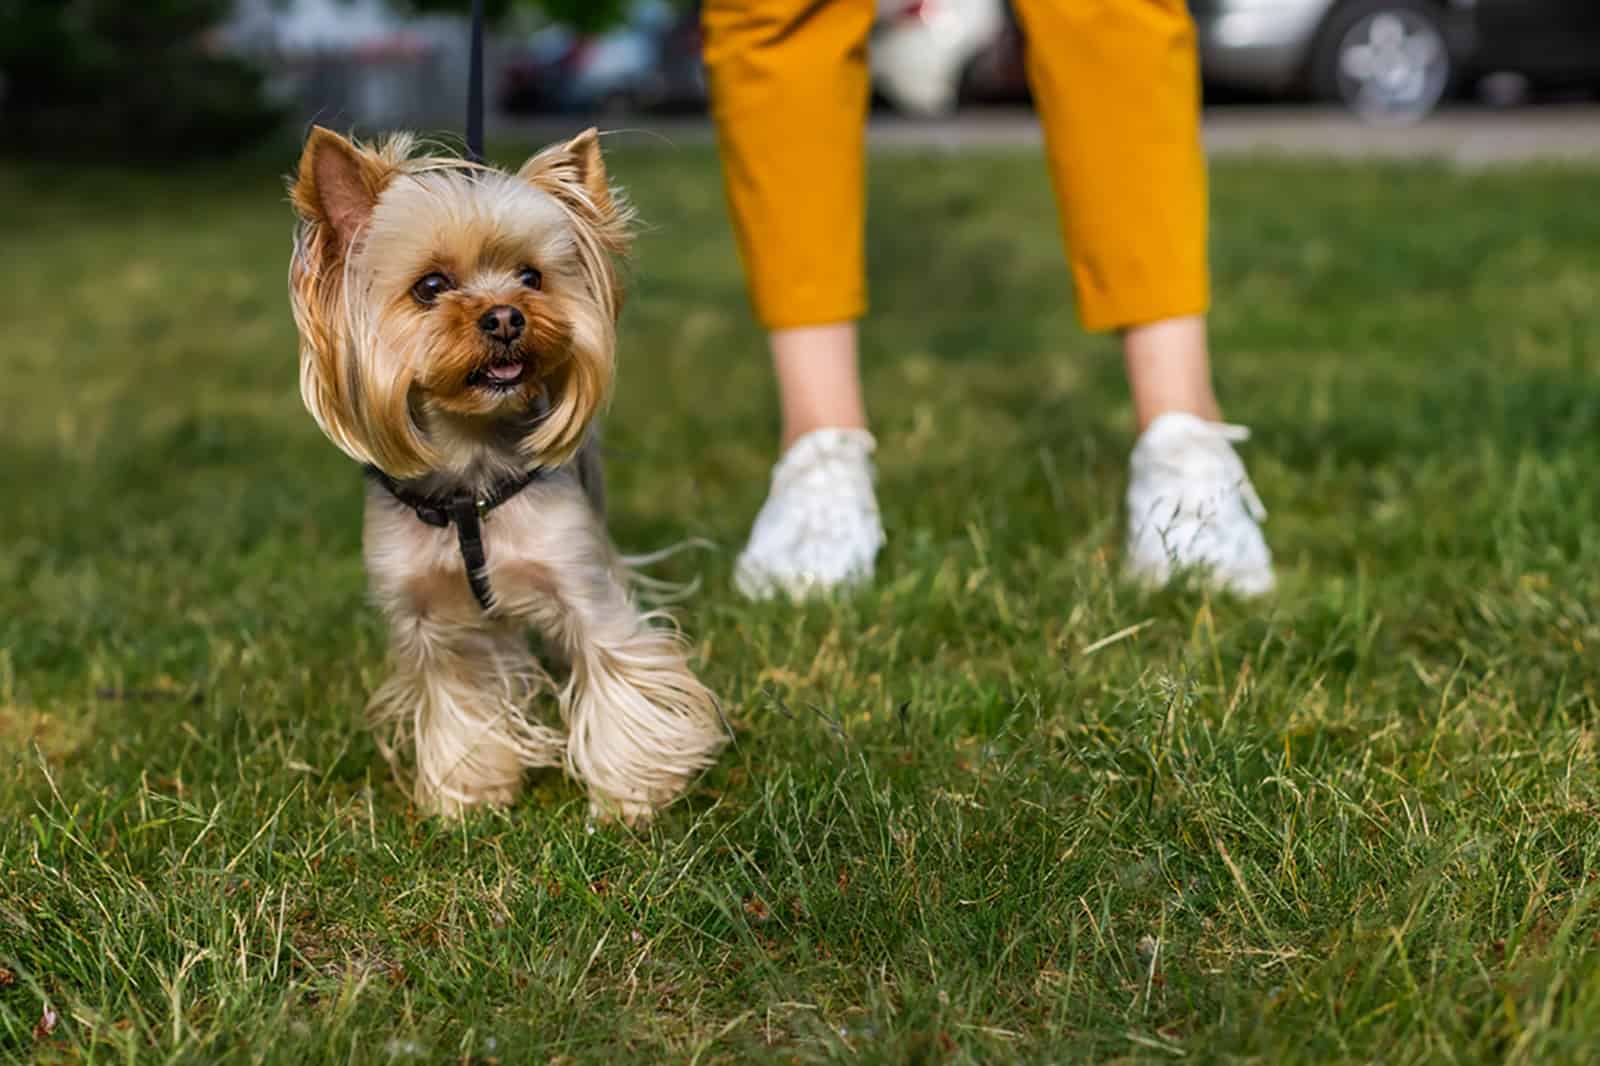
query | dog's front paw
[635, 814]
[455, 803]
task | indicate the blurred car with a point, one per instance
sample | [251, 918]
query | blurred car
[533, 80]
[998, 74]
[926, 57]
[924, 51]
[649, 63]
[1394, 60]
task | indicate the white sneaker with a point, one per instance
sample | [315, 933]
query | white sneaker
[1191, 506]
[819, 529]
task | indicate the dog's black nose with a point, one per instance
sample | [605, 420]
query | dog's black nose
[502, 323]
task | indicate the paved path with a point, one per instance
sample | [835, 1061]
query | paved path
[1470, 137]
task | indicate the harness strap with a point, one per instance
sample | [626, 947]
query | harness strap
[466, 512]
[469, 536]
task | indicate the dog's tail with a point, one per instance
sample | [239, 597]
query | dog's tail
[655, 591]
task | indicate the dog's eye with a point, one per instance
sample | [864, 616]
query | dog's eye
[531, 278]
[430, 288]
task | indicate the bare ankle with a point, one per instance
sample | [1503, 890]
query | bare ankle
[819, 380]
[1169, 369]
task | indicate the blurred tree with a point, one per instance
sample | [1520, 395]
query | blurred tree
[584, 15]
[134, 79]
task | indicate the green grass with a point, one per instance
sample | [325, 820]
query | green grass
[999, 807]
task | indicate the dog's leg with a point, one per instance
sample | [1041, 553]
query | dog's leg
[460, 696]
[640, 725]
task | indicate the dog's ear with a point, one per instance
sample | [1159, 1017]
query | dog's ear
[575, 174]
[334, 192]
[337, 186]
[584, 150]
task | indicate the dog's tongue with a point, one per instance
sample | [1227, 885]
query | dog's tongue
[505, 371]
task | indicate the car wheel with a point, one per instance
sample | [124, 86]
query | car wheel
[1389, 61]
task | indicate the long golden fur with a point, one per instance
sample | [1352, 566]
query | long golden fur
[457, 325]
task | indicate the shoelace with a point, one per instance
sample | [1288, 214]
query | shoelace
[821, 457]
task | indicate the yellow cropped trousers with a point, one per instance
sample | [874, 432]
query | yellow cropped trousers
[1116, 84]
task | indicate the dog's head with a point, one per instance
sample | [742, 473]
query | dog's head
[439, 300]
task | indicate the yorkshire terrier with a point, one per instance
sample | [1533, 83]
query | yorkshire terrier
[457, 337]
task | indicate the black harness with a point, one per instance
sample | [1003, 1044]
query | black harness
[466, 511]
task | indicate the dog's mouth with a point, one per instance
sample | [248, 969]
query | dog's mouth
[501, 374]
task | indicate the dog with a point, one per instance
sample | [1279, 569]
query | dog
[457, 331]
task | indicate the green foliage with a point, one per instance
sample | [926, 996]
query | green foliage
[586, 15]
[998, 808]
[133, 79]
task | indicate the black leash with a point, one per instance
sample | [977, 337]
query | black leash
[475, 87]
[466, 512]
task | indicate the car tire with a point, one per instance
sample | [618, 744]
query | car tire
[1389, 61]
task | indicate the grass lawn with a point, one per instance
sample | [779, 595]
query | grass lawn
[999, 807]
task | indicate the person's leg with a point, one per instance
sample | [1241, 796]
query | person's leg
[1169, 369]
[819, 382]
[1117, 87]
[789, 92]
